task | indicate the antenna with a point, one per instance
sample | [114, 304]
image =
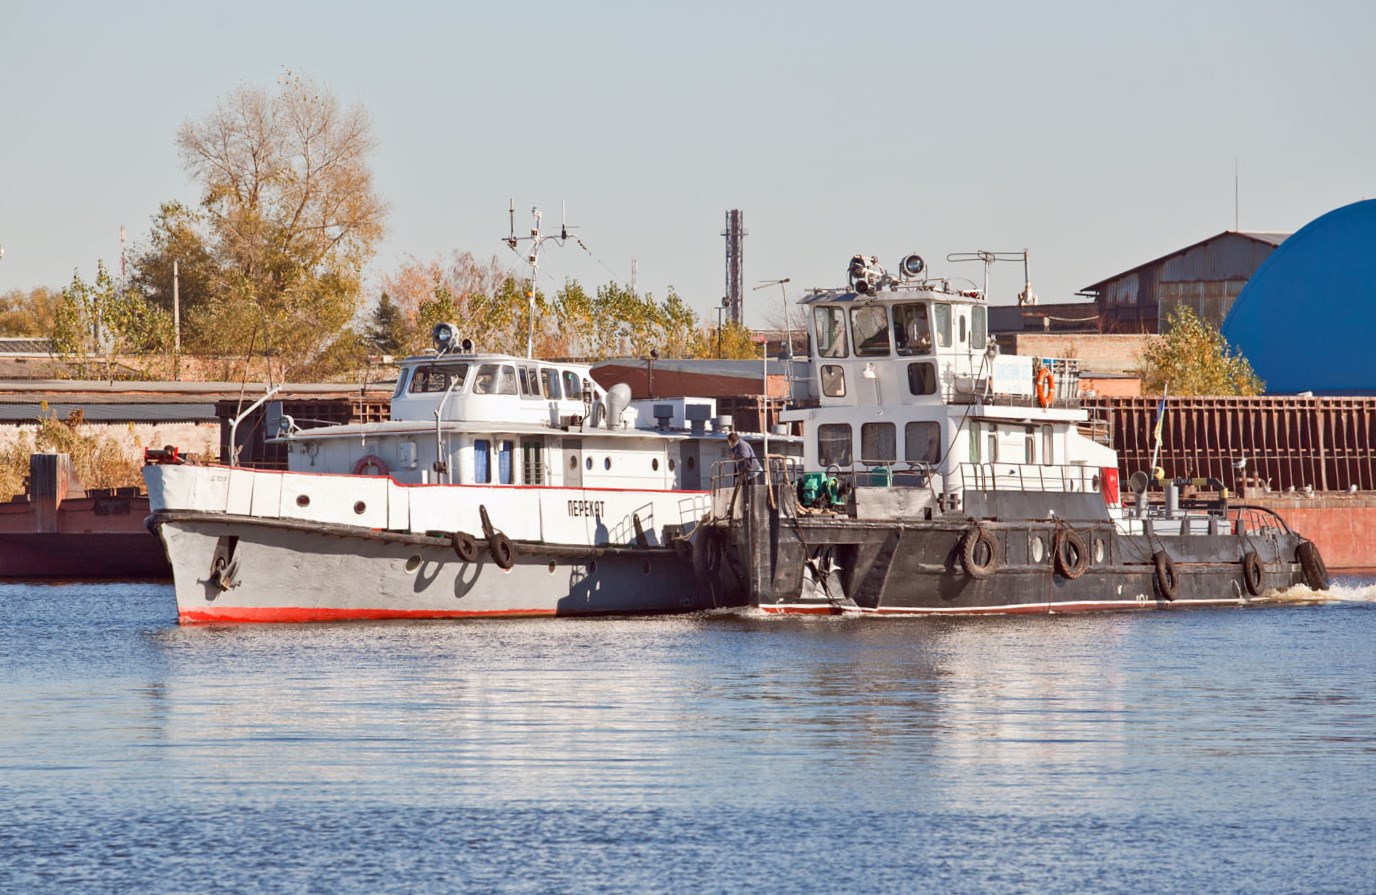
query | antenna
[537, 241]
[988, 257]
[1236, 190]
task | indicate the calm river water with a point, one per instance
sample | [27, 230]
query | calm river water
[1197, 751]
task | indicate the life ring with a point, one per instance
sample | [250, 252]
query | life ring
[1167, 579]
[1045, 385]
[1253, 574]
[979, 554]
[465, 547]
[503, 553]
[1072, 556]
[1312, 564]
[371, 462]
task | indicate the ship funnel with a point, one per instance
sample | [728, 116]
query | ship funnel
[618, 399]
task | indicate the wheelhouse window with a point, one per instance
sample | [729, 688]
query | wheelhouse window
[869, 327]
[426, 380]
[922, 378]
[834, 444]
[979, 326]
[878, 443]
[833, 381]
[550, 379]
[922, 442]
[912, 334]
[831, 331]
[495, 379]
[941, 311]
[401, 384]
[572, 389]
[529, 378]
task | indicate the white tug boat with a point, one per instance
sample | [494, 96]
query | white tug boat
[939, 476]
[501, 486]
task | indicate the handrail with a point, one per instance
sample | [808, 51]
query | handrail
[234, 426]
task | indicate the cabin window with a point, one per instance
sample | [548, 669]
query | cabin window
[922, 442]
[992, 455]
[911, 331]
[831, 331]
[572, 389]
[533, 461]
[833, 444]
[878, 443]
[974, 442]
[960, 329]
[833, 381]
[482, 464]
[505, 450]
[922, 378]
[550, 378]
[942, 312]
[1048, 445]
[530, 382]
[425, 380]
[1029, 445]
[979, 326]
[401, 384]
[495, 379]
[869, 327]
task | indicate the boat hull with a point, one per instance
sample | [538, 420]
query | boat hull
[244, 569]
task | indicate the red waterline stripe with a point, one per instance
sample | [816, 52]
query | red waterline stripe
[271, 614]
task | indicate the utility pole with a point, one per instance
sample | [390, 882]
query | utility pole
[176, 320]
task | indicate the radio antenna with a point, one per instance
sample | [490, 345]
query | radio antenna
[537, 241]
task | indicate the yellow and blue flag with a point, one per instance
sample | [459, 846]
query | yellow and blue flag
[1160, 417]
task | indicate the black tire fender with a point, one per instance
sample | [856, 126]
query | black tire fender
[502, 550]
[465, 546]
[1167, 578]
[1312, 564]
[979, 554]
[1072, 556]
[1253, 573]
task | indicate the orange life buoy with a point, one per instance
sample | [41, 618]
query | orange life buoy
[371, 464]
[1045, 385]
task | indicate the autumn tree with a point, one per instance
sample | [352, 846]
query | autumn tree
[291, 218]
[100, 318]
[176, 261]
[1195, 360]
[387, 331]
[29, 313]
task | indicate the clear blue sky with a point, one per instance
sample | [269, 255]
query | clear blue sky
[1098, 135]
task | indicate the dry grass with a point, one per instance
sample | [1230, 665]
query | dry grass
[99, 461]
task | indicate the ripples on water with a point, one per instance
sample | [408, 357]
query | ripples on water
[1197, 751]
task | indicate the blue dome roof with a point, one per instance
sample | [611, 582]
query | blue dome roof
[1305, 319]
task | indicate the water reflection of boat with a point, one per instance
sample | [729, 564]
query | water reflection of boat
[500, 486]
[940, 476]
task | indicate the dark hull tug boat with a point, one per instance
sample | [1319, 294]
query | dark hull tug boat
[939, 476]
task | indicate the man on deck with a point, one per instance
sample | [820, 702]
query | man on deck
[748, 468]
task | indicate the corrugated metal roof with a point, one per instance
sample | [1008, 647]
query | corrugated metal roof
[25, 345]
[1223, 256]
[105, 413]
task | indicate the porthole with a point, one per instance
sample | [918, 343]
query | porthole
[1037, 548]
[672, 464]
[592, 567]
[607, 463]
[588, 464]
[552, 566]
[654, 464]
[302, 500]
[573, 462]
[413, 562]
[360, 507]
[1100, 551]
